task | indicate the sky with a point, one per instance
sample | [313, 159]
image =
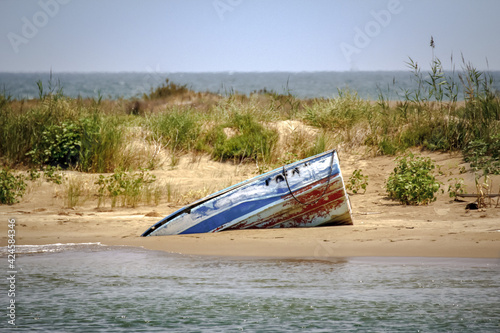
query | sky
[245, 35]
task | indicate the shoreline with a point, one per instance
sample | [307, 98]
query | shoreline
[370, 237]
[396, 259]
[382, 227]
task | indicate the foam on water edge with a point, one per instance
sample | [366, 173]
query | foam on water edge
[52, 248]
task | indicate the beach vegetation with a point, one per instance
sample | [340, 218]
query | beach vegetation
[250, 140]
[34, 174]
[340, 114]
[443, 111]
[166, 90]
[59, 145]
[74, 190]
[52, 174]
[125, 188]
[321, 143]
[456, 187]
[484, 154]
[12, 187]
[178, 129]
[102, 144]
[434, 117]
[412, 182]
[357, 182]
[284, 103]
[62, 132]
[485, 195]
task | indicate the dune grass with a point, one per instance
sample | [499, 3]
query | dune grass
[100, 136]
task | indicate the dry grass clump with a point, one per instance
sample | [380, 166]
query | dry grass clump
[78, 190]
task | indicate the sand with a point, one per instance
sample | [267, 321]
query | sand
[382, 227]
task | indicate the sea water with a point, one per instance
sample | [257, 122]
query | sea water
[98, 288]
[392, 85]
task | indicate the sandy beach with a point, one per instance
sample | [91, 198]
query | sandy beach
[382, 227]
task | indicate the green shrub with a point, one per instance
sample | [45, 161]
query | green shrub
[412, 182]
[11, 187]
[51, 175]
[357, 182]
[456, 188]
[34, 174]
[90, 144]
[59, 145]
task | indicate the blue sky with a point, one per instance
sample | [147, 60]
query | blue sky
[244, 35]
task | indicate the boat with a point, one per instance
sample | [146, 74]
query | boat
[306, 193]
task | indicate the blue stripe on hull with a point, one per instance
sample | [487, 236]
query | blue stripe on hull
[214, 222]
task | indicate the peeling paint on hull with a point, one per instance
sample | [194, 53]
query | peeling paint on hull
[266, 201]
[331, 209]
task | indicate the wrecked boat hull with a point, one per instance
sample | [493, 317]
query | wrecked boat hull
[307, 193]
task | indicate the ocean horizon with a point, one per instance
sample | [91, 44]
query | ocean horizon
[369, 85]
